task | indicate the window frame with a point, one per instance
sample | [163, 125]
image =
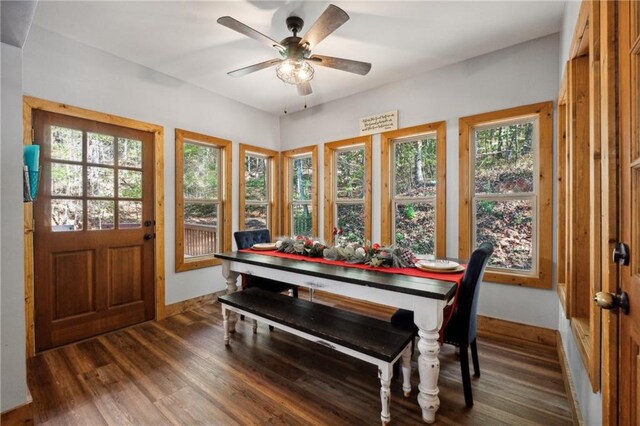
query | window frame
[287, 158]
[388, 198]
[273, 163]
[540, 276]
[330, 202]
[225, 200]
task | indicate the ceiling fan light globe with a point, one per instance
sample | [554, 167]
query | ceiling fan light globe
[294, 71]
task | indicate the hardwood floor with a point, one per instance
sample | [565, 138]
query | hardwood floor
[177, 371]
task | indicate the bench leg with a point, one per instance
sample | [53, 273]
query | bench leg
[385, 393]
[406, 371]
[225, 325]
[255, 326]
[310, 295]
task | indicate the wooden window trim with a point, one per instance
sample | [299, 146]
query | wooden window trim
[386, 215]
[224, 220]
[329, 179]
[544, 112]
[287, 157]
[561, 191]
[274, 185]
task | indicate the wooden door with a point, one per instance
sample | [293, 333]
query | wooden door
[629, 88]
[93, 229]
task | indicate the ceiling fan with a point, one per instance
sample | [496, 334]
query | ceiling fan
[294, 64]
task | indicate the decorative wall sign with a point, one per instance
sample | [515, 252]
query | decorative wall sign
[379, 123]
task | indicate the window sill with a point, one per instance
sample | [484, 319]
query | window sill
[196, 263]
[539, 281]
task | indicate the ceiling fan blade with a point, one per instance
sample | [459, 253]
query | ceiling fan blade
[304, 89]
[347, 65]
[253, 68]
[330, 20]
[238, 26]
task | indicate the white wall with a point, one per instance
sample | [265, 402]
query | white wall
[14, 377]
[518, 75]
[62, 70]
[590, 403]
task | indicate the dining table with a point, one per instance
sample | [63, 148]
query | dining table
[426, 294]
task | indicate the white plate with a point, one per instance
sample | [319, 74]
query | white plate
[264, 246]
[458, 268]
[439, 265]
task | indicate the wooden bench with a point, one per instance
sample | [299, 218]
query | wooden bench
[365, 338]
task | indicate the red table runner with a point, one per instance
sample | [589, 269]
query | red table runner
[413, 272]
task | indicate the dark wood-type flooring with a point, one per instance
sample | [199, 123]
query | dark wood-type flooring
[177, 371]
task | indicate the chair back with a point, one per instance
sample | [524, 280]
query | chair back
[245, 239]
[467, 309]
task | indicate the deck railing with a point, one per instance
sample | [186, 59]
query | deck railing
[199, 240]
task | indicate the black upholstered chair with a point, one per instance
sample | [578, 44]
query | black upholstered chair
[244, 240]
[461, 330]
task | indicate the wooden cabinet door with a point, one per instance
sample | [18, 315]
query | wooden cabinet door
[93, 229]
[629, 87]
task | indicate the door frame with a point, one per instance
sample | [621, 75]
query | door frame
[30, 104]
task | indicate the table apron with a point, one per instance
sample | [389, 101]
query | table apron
[428, 311]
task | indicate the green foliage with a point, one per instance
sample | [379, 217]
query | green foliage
[200, 171]
[415, 167]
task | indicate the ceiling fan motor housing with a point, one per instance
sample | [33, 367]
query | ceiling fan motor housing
[295, 24]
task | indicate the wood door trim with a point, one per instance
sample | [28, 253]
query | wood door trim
[28, 105]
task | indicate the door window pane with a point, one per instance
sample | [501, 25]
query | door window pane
[504, 159]
[66, 179]
[255, 216]
[66, 144]
[302, 178]
[415, 168]
[129, 183]
[129, 214]
[66, 215]
[200, 229]
[100, 214]
[129, 153]
[415, 227]
[99, 182]
[508, 226]
[255, 173]
[302, 220]
[350, 174]
[100, 148]
[200, 171]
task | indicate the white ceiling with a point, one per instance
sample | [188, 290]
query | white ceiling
[400, 39]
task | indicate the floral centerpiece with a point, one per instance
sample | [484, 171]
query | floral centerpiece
[369, 254]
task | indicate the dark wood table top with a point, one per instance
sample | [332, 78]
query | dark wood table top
[424, 287]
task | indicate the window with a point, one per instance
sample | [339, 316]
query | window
[347, 190]
[258, 185]
[505, 192]
[300, 187]
[413, 188]
[203, 203]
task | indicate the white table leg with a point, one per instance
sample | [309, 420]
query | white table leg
[428, 319]
[384, 373]
[231, 278]
[406, 371]
[429, 368]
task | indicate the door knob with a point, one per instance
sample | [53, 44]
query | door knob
[148, 236]
[611, 301]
